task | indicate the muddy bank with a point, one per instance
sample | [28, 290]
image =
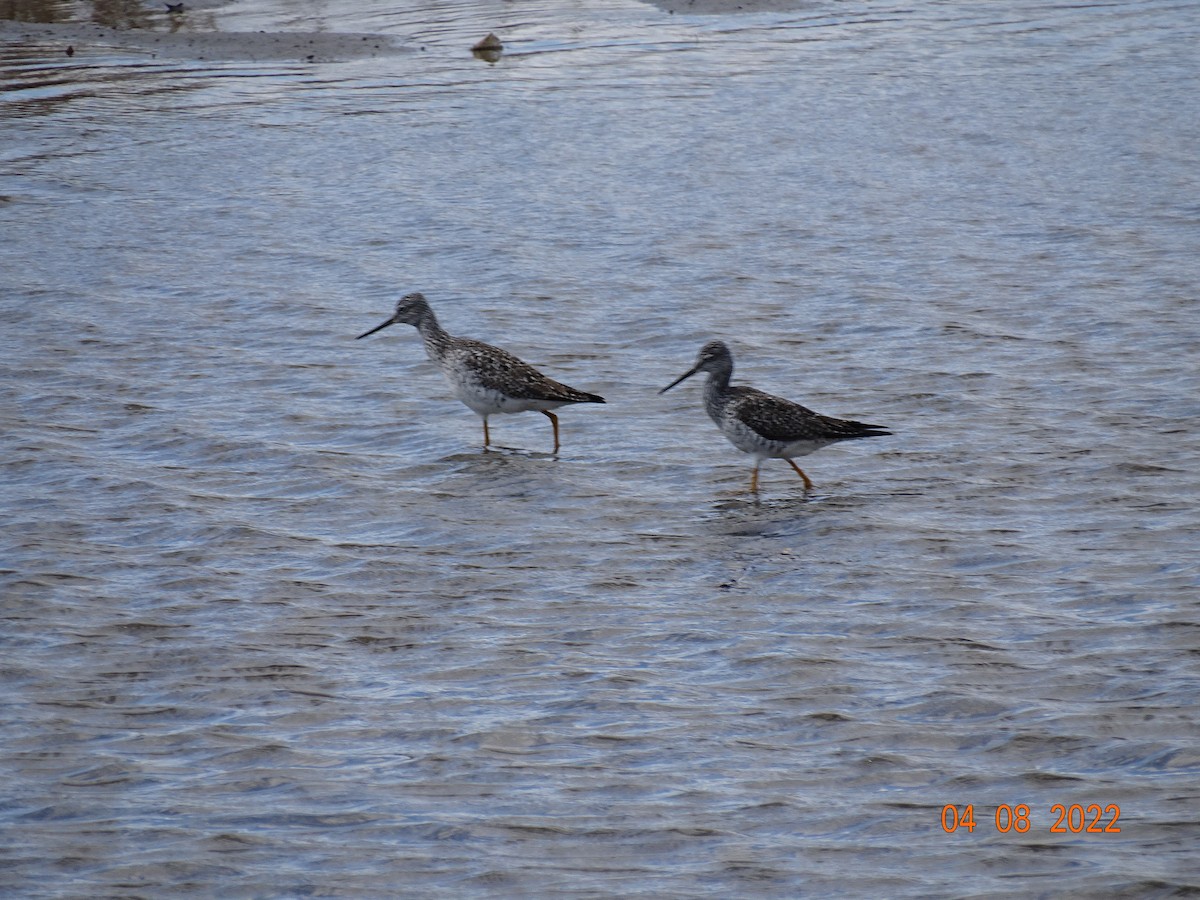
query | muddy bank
[256, 46]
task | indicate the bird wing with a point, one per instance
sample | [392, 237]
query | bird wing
[778, 419]
[775, 418]
[497, 369]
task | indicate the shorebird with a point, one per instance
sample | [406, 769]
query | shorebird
[487, 379]
[763, 425]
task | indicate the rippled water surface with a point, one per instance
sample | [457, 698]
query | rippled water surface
[274, 624]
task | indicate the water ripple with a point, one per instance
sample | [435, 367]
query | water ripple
[248, 559]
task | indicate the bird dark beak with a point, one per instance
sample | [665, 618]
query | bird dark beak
[686, 375]
[376, 328]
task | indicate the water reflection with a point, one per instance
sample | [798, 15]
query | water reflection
[245, 566]
[122, 15]
[110, 13]
[40, 11]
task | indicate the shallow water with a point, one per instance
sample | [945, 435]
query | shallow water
[275, 625]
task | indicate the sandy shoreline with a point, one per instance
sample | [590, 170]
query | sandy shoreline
[304, 46]
[249, 46]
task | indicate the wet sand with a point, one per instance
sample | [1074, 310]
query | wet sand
[255, 46]
[251, 46]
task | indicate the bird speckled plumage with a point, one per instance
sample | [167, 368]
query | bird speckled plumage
[487, 379]
[766, 426]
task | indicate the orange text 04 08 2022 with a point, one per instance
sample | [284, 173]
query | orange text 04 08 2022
[1076, 818]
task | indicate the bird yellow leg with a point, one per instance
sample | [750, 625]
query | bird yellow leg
[808, 485]
[553, 421]
[487, 438]
[754, 481]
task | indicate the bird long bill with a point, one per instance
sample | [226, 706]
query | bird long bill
[376, 328]
[683, 377]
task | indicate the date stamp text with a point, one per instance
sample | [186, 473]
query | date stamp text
[1094, 818]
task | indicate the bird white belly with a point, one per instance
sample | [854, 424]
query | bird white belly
[800, 448]
[489, 401]
[481, 399]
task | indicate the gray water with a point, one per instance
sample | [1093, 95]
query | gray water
[274, 624]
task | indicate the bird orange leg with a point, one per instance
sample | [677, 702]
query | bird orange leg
[808, 485]
[553, 421]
